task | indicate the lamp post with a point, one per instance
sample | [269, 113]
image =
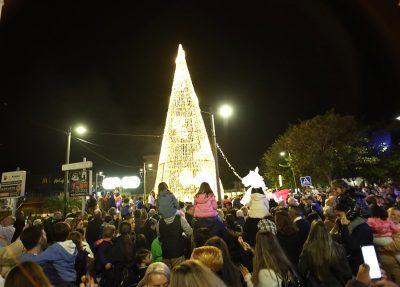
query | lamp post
[79, 130]
[214, 137]
[289, 159]
[225, 111]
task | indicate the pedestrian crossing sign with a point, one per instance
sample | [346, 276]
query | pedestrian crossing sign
[305, 180]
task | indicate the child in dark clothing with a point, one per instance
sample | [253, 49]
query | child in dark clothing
[102, 265]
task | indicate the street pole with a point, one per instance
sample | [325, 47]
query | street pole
[14, 201]
[84, 197]
[144, 181]
[67, 172]
[96, 184]
[215, 156]
[291, 167]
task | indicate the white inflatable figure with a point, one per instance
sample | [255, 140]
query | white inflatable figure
[254, 180]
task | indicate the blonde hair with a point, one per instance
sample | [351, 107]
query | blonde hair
[156, 268]
[210, 256]
[192, 273]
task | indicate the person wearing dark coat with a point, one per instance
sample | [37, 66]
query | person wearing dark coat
[234, 231]
[149, 231]
[353, 235]
[111, 201]
[354, 232]
[19, 224]
[288, 236]
[323, 262]
[296, 214]
[94, 228]
[101, 251]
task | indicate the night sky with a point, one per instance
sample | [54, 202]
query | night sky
[110, 65]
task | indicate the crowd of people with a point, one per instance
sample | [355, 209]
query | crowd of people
[313, 238]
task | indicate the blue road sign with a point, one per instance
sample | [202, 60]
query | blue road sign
[305, 181]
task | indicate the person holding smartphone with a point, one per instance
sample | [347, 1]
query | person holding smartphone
[353, 234]
[363, 279]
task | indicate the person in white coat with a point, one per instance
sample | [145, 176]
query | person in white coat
[258, 209]
[259, 204]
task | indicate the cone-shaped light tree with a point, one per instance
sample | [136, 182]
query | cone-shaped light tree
[186, 159]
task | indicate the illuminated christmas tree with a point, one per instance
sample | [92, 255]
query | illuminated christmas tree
[186, 159]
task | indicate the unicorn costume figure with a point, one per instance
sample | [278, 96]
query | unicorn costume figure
[254, 180]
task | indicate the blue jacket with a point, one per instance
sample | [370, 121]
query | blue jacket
[62, 255]
[167, 204]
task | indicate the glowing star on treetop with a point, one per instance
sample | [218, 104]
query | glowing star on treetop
[186, 159]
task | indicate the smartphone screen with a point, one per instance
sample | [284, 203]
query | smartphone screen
[370, 258]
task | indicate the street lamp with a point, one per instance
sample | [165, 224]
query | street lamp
[289, 160]
[225, 111]
[79, 130]
[398, 118]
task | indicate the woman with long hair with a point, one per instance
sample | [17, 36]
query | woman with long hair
[122, 254]
[76, 223]
[323, 262]
[271, 267]
[205, 204]
[205, 211]
[167, 203]
[288, 236]
[229, 273]
[192, 273]
[123, 247]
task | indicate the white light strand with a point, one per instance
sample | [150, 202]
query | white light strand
[228, 163]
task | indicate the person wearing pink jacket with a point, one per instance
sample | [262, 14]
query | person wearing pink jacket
[205, 211]
[205, 204]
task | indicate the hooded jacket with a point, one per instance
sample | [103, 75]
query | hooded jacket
[205, 206]
[167, 204]
[258, 206]
[62, 255]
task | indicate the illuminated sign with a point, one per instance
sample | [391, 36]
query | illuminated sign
[128, 182]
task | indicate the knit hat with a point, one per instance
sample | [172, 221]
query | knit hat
[267, 225]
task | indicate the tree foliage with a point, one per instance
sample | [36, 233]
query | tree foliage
[56, 203]
[325, 147]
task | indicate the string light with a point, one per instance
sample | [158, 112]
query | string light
[186, 159]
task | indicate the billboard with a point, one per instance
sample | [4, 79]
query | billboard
[13, 184]
[79, 183]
